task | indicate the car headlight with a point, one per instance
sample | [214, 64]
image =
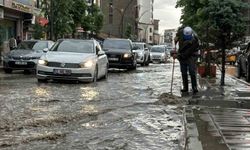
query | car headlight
[162, 55]
[87, 64]
[127, 55]
[42, 62]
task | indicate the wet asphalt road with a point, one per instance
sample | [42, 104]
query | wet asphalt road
[119, 113]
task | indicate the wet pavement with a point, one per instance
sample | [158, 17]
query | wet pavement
[218, 118]
[128, 111]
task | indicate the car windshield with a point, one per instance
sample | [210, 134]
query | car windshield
[33, 45]
[76, 46]
[116, 44]
[158, 49]
[138, 45]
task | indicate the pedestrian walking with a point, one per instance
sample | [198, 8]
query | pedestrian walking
[187, 55]
[12, 43]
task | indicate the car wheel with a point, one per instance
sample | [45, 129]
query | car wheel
[238, 71]
[42, 80]
[95, 75]
[8, 70]
[106, 72]
[147, 62]
[134, 65]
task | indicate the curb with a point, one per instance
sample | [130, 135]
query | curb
[192, 134]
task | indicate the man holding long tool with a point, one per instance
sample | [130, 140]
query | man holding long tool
[187, 56]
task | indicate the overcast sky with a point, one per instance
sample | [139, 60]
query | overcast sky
[169, 16]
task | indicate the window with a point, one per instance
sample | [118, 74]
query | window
[150, 38]
[150, 30]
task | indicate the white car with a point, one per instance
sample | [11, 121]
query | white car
[143, 54]
[158, 53]
[69, 59]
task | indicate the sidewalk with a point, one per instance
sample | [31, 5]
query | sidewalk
[218, 118]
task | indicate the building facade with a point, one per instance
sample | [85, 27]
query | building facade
[119, 16]
[16, 18]
[122, 17]
[169, 36]
[145, 21]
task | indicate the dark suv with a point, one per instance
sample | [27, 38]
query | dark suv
[120, 53]
[243, 62]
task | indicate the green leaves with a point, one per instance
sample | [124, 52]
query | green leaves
[66, 15]
[212, 18]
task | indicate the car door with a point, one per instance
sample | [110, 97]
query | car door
[101, 60]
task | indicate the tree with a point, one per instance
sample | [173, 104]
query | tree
[38, 31]
[128, 32]
[59, 16]
[78, 12]
[66, 15]
[222, 21]
[93, 22]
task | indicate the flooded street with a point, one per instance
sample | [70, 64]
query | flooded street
[123, 112]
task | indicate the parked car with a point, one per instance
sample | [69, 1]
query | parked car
[26, 55]
[143, 54]
[69, 59]
[158, 53]
[243, 63]
[120, 53]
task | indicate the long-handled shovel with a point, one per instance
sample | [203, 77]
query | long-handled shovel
[172, 79]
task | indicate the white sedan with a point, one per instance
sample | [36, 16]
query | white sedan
[68, 59]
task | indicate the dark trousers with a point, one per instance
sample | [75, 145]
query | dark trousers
[189, 65]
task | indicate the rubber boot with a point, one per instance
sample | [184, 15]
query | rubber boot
[185, 83]
[194, 84]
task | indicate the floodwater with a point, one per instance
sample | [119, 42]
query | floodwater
[130, 110]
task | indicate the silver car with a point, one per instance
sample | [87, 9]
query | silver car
[26, 55]
[143, 54]
[158, 53]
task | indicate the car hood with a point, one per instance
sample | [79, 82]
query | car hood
[138, 51]
[116, 51]
[25, 53]
[68, 57]
[156, 53]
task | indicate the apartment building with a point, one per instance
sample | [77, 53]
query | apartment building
[123, 15]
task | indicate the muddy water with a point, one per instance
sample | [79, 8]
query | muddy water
[124, 112]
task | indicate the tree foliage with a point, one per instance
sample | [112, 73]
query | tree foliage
[38, 31]
[214, 17]
[66, 15]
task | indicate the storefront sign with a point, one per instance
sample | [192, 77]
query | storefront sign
[1, 2]
[1, 13]
[25, 2]
[21, 7]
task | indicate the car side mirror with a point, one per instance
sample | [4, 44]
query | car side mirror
[100, 53]
[45, 50]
